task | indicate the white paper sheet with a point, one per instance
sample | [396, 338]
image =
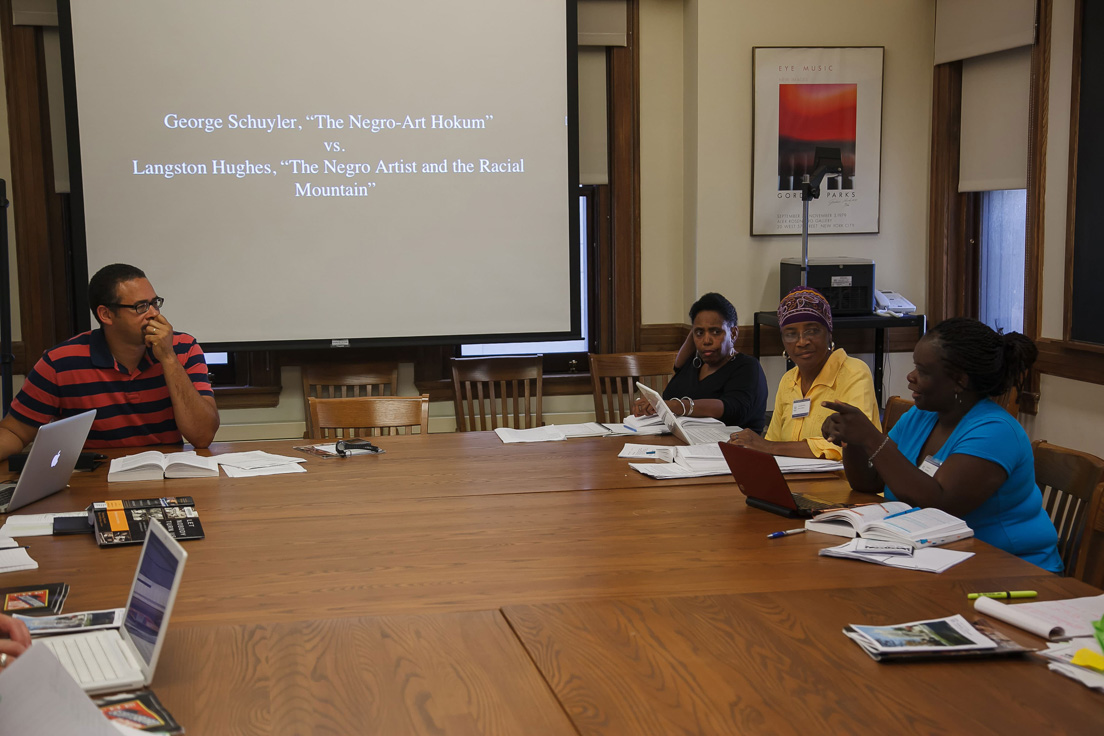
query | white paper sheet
[628, 431]
[648, 452]
[925, 559]
[254, 460]
[1048, 619]
[586, 429]
[536, 434]
[664, 471]
[16, 559]
[40, 697]
[232, 472]
[33, 525]
[806, 465]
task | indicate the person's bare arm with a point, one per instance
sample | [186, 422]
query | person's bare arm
[960, 485]
[14, 436]
[750, 439]
[196, 415]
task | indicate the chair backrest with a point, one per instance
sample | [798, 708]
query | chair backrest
[1009, 401]
[895, 408]
[368, 416]
[614, 377]
[501, 391]
[1072, 483]
[346, 380]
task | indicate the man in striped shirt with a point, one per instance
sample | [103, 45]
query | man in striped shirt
[147, 383]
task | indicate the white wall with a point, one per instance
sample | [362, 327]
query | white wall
[713, 83]
[717, 120]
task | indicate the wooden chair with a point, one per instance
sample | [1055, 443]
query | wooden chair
[499, 391]
[347, 380]
[368, 416]
[614, 377]
[1010, 401]
[1072, 483]
[895, 408]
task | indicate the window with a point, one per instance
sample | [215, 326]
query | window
[1001, 280]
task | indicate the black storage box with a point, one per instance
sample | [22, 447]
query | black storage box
[847, 283]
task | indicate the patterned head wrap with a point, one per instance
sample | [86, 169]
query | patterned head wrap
[804, 305]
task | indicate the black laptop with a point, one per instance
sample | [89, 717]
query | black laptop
[760, 479]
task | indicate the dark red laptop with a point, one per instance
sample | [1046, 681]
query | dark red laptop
[762, 482]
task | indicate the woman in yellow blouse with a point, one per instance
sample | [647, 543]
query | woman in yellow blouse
[821, 373]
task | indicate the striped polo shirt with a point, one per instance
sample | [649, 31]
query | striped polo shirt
[132, 408]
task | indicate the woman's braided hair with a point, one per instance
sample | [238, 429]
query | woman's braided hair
[993, 361]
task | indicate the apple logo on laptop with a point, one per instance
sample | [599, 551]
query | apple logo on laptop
[54, 462]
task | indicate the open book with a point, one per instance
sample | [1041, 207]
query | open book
[893, 521]
[154, 465]
[691, 430]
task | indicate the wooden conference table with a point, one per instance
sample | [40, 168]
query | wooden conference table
[458, 585]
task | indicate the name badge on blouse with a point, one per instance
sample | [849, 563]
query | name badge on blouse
[930, 465]
[801, 408]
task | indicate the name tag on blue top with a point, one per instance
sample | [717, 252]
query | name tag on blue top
[801, 408]
[930, 465]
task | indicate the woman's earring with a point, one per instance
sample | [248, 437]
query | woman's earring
[697, 361]
[831, 345]
[785, 354]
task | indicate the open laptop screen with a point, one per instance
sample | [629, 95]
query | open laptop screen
[145, 613]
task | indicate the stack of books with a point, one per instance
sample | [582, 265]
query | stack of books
[941, 638]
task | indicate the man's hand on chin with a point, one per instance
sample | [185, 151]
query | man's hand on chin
[159, 338]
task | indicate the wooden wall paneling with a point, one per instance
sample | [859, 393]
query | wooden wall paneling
[38, 211]
[1071, 191]
[624, 125]
[946, 205]
[1039, 113]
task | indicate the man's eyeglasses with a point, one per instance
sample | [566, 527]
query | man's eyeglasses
[810, 333]
[142, 307]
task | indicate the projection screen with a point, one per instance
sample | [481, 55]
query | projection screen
[334, 172]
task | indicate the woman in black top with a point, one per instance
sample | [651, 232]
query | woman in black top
[712, 379]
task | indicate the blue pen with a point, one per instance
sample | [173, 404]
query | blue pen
[628, 428]
[650, 452]
[902, 513]
[776, 535]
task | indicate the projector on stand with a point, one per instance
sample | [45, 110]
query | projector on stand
[847, 283]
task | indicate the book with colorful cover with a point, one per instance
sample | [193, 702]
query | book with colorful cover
[142, 711]
[34, 600]
[126, 522]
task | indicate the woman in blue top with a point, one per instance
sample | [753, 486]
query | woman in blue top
[956, 450]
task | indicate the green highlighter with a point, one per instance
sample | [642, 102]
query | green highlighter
[1004, 594]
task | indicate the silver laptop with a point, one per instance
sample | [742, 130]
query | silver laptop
[689, 430]
[124, 658]
[50, 462]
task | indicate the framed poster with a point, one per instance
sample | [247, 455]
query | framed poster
[805, 98]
